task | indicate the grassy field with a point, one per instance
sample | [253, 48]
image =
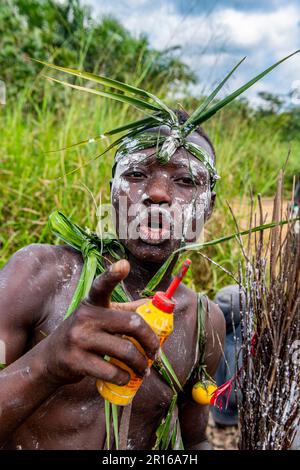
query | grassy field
[249, 157]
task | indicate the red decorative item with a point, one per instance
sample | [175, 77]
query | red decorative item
[220, 392]
[253, 344]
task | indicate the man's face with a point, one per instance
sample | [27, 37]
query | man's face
[158, 206]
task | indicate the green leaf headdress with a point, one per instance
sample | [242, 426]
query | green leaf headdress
[136, 136]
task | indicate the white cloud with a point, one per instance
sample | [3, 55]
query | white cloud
[264, 36]
[278, 29]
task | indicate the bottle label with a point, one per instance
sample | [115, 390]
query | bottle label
[162, 325]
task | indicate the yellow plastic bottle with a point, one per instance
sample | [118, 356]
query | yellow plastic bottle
[158, 313]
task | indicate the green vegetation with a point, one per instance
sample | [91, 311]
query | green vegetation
[65, 33]
[251, 146]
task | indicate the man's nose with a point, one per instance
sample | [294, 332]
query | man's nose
[158, 191]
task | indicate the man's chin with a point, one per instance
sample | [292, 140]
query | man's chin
[154, 237]
[152, 251]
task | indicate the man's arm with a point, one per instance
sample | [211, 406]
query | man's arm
[75, 349]
[24, 283]
[194, 417]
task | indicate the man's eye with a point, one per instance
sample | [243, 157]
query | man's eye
[187, 181]
[136, 174]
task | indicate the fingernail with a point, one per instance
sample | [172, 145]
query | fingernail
[118, 266]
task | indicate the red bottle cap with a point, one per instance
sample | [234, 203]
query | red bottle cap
[163, 300]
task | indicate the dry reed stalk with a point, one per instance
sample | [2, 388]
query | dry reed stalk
[270, 323]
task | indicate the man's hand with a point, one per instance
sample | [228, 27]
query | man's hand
[78, 346]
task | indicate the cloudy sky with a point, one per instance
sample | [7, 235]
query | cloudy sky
[216, 34]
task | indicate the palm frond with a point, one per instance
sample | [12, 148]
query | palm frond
[137, 103]
[189, 123]
[214, 109]
[140, 124]
[109, 82]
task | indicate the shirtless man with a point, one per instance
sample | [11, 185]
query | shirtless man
[48, 396]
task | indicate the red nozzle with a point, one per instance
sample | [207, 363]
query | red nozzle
[162, 300]
[178, 278]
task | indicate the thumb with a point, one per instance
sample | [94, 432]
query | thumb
[128, 306]
[104, 284]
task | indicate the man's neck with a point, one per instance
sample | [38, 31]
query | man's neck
[141, 273]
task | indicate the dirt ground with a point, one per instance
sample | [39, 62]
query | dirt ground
[241, 209]
[222, 439]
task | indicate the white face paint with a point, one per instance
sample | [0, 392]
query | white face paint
[120, 184]
[191, 211]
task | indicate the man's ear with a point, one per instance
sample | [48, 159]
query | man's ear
[211, 205]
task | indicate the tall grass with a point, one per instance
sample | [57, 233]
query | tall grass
[32, 185]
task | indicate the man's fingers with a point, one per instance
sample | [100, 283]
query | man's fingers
[128, 306]
[104, 284]
[132, 324]
[118, 348]
[97, 367]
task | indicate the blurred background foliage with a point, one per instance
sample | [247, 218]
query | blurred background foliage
[65, 33]
[251, 144]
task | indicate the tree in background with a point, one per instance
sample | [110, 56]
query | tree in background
[65, 33]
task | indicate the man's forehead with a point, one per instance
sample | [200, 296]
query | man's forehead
[181, 159]
[194, 137]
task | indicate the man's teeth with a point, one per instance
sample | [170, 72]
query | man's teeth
[155, 225]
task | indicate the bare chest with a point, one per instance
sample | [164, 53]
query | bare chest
[74, 416]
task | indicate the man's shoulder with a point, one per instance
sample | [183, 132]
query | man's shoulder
[42, 263]
[31, 279]
[213, 313]
[45, 255]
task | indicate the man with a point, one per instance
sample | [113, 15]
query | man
[228, 299]
[48, 395]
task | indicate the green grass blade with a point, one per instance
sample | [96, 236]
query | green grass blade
[107, 422]
[156, 279]
[110, 147]
[116, 424]
[196, 246]
[174, 434]
[115, 84]
[214, 109]
[78, 294]
[140, 125]
[167, 365]
[90, 272]
[158, 366]
[153, 283]
[195, 115]
[166, 431]
[164, 107]
[64, 229]
[202, 156]
[137, 103]
[103, 81]
[84, 284]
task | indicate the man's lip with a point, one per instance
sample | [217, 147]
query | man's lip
[153, 236]
[157, 220]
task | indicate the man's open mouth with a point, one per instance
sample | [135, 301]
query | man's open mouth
[155, 227]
